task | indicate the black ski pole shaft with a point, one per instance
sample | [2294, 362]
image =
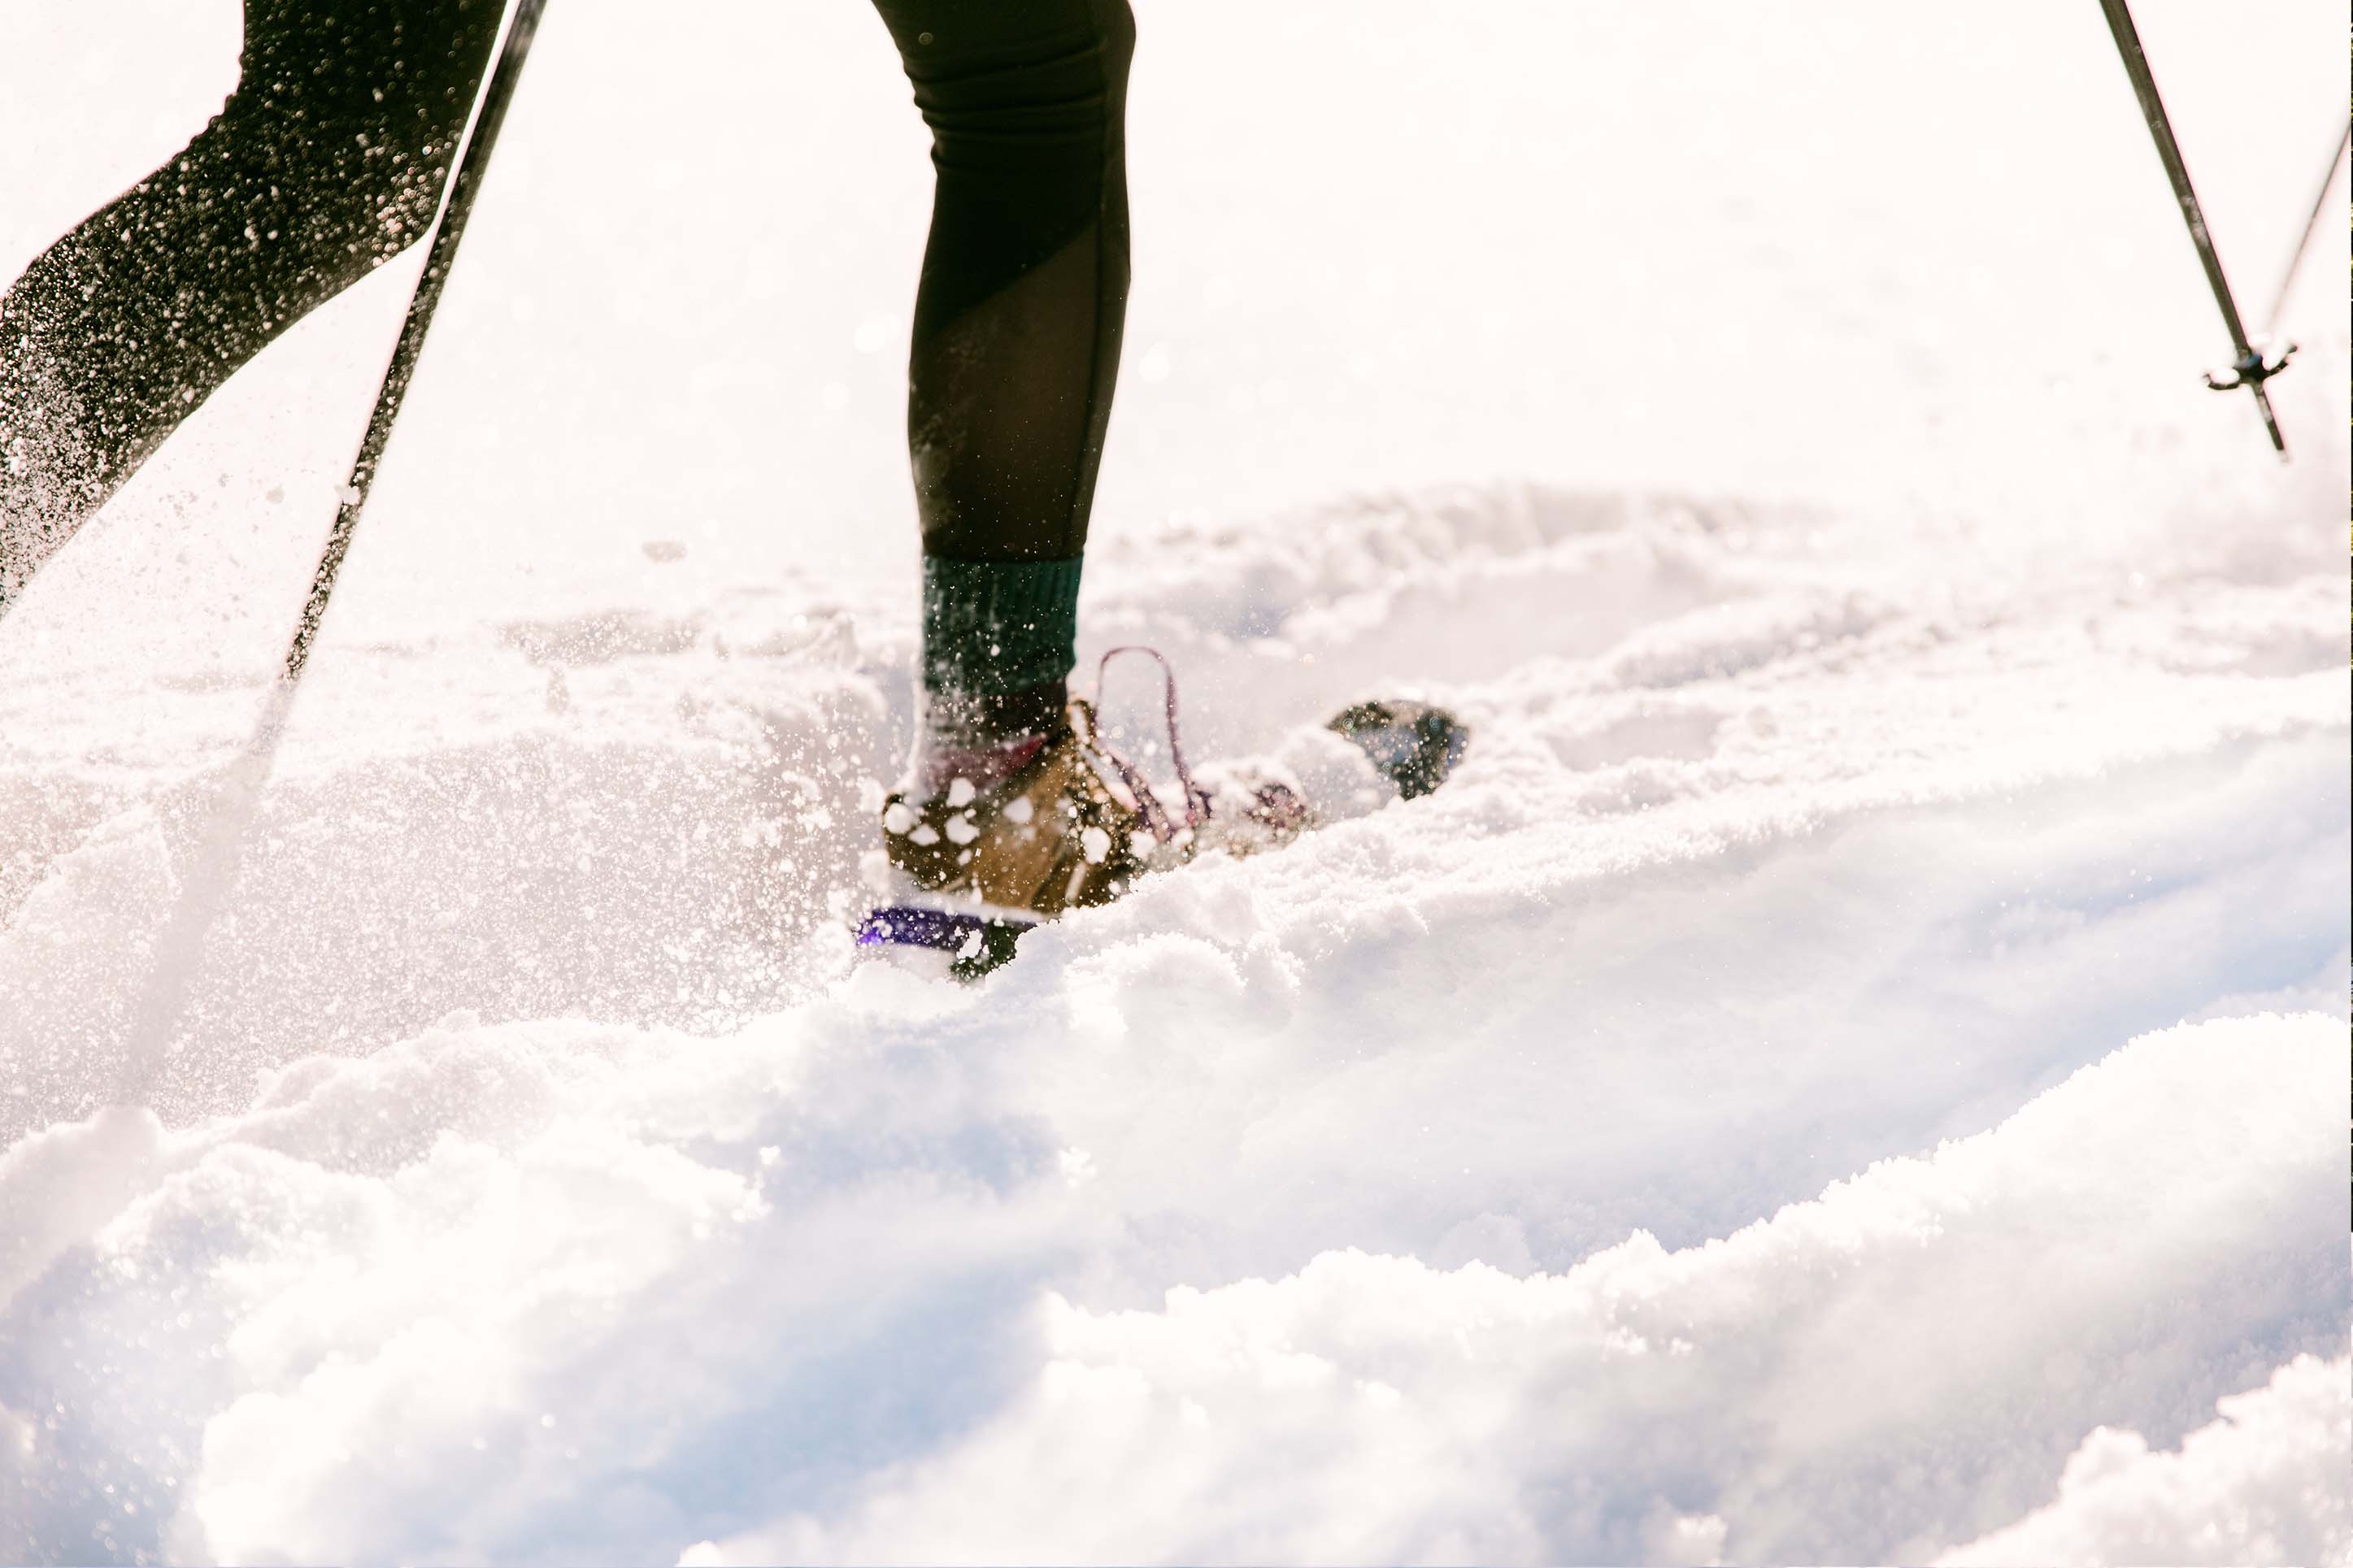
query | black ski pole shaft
[2311, 223]
[2250, 365]
[227, 801]
[488, 116]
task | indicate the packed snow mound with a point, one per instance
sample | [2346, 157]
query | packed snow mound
[2264, 1484]
[850, 1286]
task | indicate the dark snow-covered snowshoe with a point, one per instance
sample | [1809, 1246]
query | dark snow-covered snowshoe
[1415, 745]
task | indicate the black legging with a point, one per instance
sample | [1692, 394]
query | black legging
[330, 158]
[327, 161]
[1024, 290]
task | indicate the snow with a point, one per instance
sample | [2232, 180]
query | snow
[2264, 1484]
[1848, 1069]
[815, 1285]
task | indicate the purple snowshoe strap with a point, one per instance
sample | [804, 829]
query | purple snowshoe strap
[948, 931]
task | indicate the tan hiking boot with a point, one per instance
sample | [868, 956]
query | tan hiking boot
[988, 842]
[1063, 829]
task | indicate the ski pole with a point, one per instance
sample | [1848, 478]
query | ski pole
[236, 794]
[2250, 369]
[459, 204]
[2311, 223]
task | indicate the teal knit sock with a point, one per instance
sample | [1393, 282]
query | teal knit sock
[995, 634]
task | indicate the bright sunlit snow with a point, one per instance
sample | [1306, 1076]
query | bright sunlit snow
[1848, 1069]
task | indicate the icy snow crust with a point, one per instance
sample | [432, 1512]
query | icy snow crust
[1850, 1069]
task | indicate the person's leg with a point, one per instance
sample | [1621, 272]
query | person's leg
[1015, 340]
[328, 160]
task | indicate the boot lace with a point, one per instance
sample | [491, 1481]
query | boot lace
[1150, 814]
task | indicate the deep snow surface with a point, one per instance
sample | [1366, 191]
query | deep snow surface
[1849, 1070]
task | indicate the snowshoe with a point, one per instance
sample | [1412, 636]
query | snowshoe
[1064, 821]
